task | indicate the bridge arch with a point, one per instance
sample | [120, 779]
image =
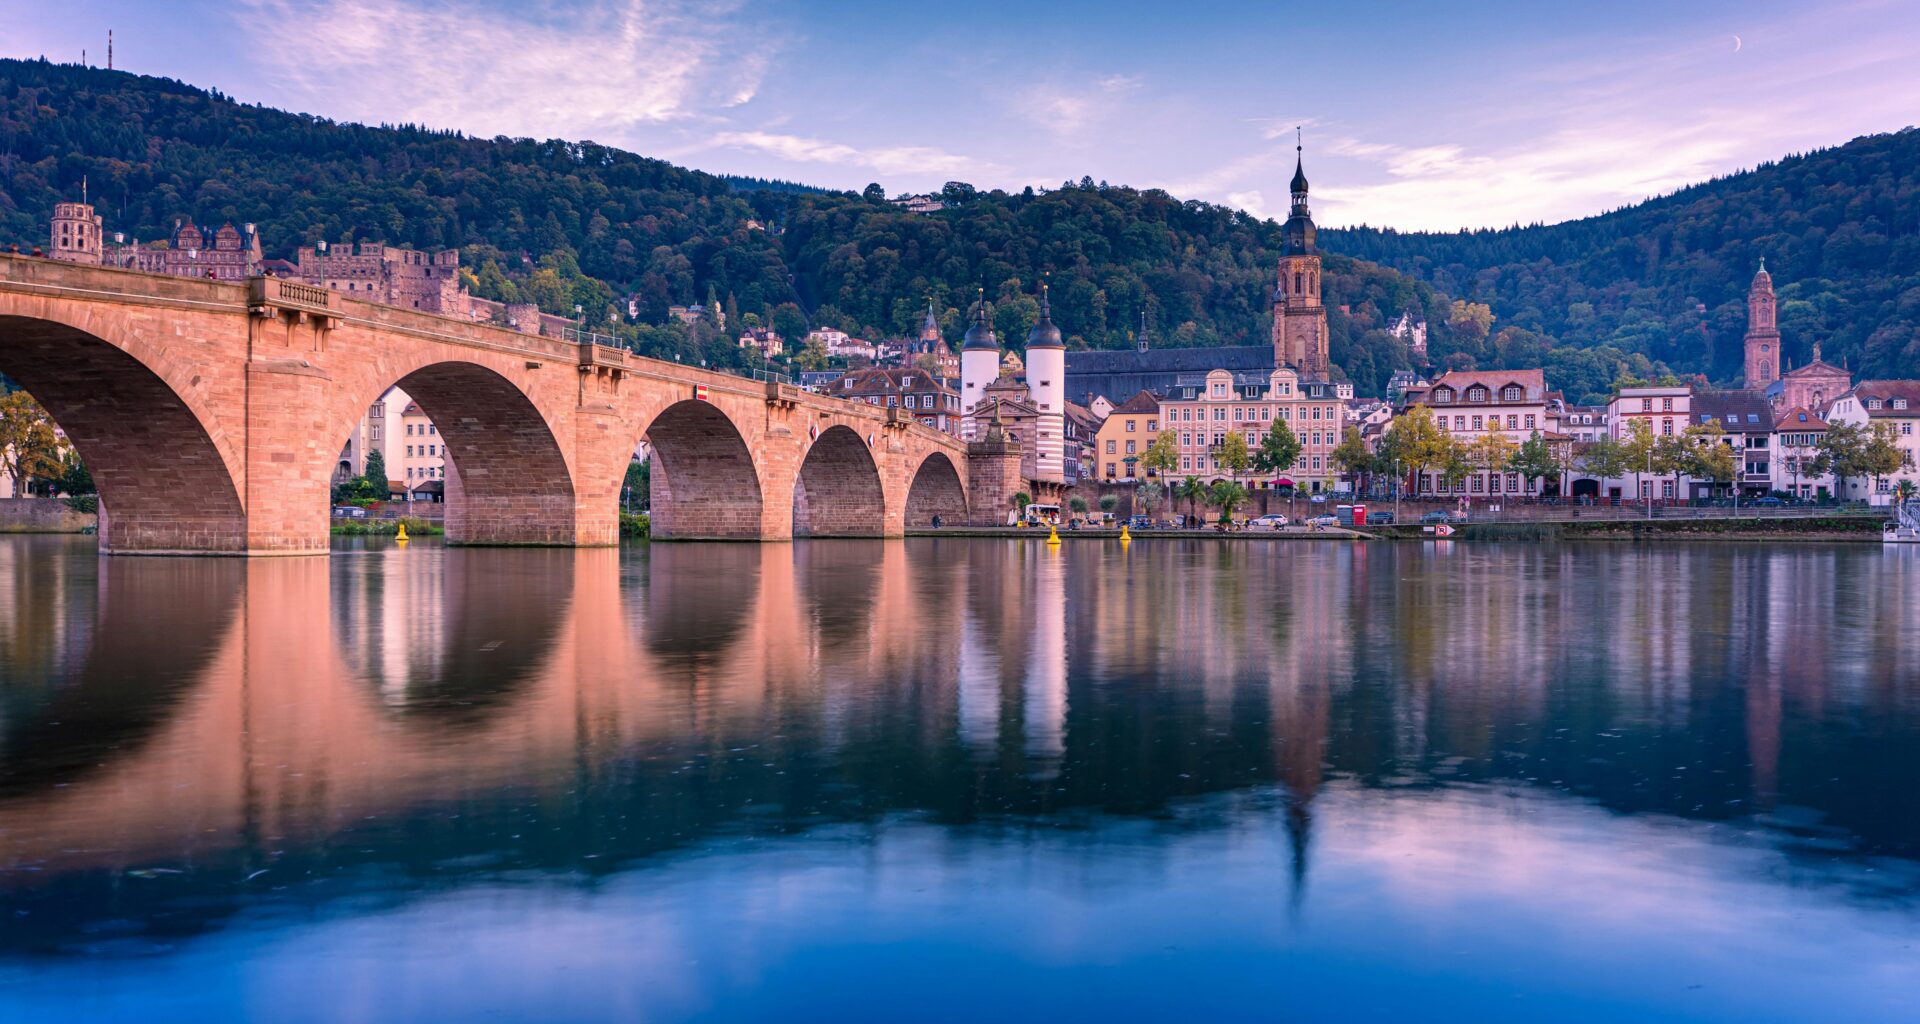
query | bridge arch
[837, 492]
[936, 490]
[507, 475]
[166, 481]
[704, 484]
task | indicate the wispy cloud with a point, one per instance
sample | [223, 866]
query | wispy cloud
[543, 69]
[1070, 109]
[916, 160]
[1580, 135]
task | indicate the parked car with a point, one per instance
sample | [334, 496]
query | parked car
[1441, 516]
[1767, 502]
[1269, 522]
[1318, 499]
[1325, 520]
[1379, 519]
[349, 512]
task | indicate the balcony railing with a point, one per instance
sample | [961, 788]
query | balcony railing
[579, 336]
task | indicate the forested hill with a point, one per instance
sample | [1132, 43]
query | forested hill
[566, 223]
[563, 223]
[1839, 228]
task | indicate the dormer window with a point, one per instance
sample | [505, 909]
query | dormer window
[1873, 403]
[1899, 403]
[1511, 394]
[1442, 396]
[1476, 394]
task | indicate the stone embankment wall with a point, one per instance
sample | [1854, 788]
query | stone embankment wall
[41, 515]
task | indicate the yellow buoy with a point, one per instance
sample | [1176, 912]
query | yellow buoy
[1053, 535]
[1125, 537]
[401, 537]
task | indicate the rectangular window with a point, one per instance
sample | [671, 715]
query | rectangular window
[1477, 484]
[1153, 425]
[1666, 488]
[1529, 421]
[1476, 423]
[1130, 425]
[1513, 422]
[1666, 405]
[1112, 447]
[1130, 449]
[1666, 427]
[1459, 423]
[1646, 405]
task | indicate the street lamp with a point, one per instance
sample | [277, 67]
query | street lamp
[1396, 490]
[320, 247]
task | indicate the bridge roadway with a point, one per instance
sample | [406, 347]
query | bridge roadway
[212, 416]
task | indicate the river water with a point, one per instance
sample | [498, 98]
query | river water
[942, 780]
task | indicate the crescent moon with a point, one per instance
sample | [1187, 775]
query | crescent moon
[1736, 44]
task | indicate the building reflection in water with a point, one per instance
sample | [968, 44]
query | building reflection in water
[445, 712]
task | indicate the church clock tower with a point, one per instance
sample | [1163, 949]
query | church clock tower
[1299, 320]
[1763, 332]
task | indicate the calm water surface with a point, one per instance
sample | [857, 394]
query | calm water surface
[959, 780]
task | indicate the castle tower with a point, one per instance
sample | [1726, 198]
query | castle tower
[979, 365]
[1763, 332]
[1299, 320]
[76, 232]
[1047, 388]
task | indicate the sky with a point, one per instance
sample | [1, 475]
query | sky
[1431, 116]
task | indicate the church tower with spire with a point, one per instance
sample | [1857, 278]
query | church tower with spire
[1763, 332]
[1299, 319]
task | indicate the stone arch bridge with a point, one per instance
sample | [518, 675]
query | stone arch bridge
[212, 416]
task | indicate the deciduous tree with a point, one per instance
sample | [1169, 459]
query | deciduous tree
[1533, 460]
[29, 447]
[1279, 449]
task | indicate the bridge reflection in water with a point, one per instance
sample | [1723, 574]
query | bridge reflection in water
[292, 731]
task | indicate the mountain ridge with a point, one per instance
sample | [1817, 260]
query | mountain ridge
[566, 223]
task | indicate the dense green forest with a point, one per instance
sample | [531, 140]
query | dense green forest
[576, 223]
[1667, 278]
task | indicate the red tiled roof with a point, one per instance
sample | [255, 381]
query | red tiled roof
[1886, 392]
[1145, 401]
[1799, 418]
[1533, 384]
